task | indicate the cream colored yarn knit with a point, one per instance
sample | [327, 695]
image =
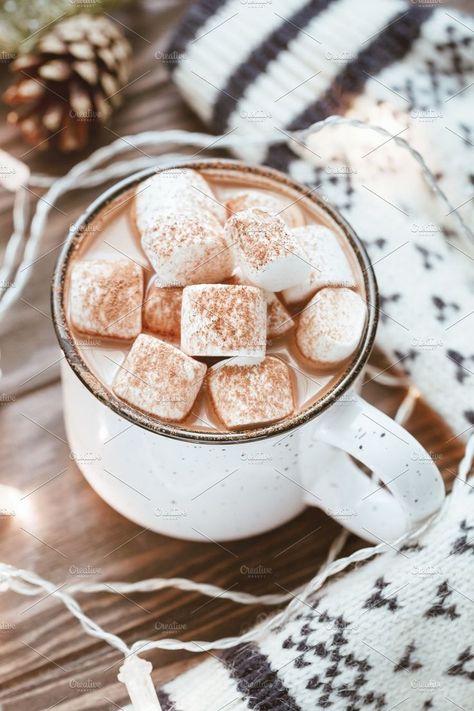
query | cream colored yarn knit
[394, 632]
[250, 66]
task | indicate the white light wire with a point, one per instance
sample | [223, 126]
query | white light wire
[84, 175]
[88, 174]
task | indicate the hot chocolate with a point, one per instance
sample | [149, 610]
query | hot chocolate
[218, 300]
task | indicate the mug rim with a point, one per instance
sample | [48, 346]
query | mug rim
[148, 422]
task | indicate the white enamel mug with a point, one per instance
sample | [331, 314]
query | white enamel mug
[221, 486]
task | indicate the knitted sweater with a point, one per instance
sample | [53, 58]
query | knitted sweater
[253, 66]
[393, 632]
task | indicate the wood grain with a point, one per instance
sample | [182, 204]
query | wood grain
[66, 533]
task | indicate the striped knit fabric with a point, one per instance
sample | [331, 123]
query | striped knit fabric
[394, 632]
[248, 66]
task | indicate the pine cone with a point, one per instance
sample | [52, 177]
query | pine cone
[70, 82]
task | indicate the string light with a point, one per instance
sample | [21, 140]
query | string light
[135, 672]
[21, 251]
[12, 502]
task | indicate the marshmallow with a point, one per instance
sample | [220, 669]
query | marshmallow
[330, 327]
[162, 310]
[178, 189]
[330, 266]
[159, 379]
[269, 255]
[273, 204]
[105, 298]
[279, 320]
[244, 395]
[223, 320]
[187, 248]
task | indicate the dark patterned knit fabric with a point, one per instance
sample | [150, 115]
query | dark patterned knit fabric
[394, 633]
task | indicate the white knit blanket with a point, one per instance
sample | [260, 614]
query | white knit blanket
[393, 632]
[251, 67]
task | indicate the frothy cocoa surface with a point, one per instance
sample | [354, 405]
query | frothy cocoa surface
[112, 235]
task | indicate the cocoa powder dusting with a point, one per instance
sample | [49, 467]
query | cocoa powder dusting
[261, 237]
[245, 395]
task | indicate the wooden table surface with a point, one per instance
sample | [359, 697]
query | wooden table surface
[66, 533]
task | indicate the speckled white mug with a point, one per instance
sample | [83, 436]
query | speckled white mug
[221, 486]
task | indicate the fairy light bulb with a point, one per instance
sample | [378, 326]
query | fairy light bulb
[13, 172]
[13, 503]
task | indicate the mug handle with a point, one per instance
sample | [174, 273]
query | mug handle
[413, 487]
